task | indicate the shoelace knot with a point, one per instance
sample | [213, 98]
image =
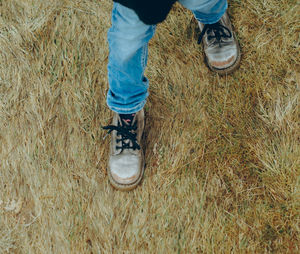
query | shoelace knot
[218, 30]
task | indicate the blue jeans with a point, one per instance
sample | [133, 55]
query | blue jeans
[128, 40]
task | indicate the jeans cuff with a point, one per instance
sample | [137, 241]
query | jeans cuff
[133, 110]
[208, 19]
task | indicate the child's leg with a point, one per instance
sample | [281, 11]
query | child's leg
[128, 40]
[206, 11]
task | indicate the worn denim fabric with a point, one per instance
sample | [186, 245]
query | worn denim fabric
[128, 40]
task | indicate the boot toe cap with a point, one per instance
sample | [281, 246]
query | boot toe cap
[222, 59]
[125, 169]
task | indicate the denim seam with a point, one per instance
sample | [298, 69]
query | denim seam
[143, 58]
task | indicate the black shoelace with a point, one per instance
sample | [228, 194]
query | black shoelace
[219, 32]
[127, 133]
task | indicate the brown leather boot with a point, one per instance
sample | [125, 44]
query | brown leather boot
[126, 159]
[222, 50]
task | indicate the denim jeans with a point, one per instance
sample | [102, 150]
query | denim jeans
[128, 40]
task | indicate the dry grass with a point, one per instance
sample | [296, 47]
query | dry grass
[223, 155]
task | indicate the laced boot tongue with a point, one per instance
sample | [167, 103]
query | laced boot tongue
[127, 118]
[126, 121]
[216, 30]
[127, 132]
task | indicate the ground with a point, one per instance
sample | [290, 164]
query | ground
[222, 153]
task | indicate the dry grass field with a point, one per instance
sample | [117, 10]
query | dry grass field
[222, 153]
